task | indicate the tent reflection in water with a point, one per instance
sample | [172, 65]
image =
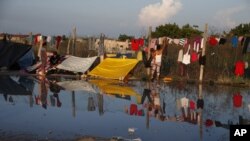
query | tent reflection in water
[11, 87]
[112, 87]
[80, 85]
[77, 85]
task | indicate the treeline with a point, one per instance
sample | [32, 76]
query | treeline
[187, 31]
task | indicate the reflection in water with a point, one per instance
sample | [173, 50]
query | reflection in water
[157, 112]
[200, 106]
[73, 104]
[41, 98]
[100, 104]
[10, 87]
[91, 104]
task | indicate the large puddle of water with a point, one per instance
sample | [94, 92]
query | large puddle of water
[103, 108]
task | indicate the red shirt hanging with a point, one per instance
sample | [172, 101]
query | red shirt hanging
[213, 41]
[239, 68]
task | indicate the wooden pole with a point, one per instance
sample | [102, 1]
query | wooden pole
[74, 41]
[40, 48]
[68, 44]
[203, 52]
[149, 40]
[101, 47]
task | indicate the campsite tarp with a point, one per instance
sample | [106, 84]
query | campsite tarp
[114, 68]
[112, 87]
[76, 64]
[77, 85]
[10, 53]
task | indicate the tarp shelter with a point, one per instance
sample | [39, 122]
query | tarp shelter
[76, 64]
[11, 87]
[15, 54]
[114, 68]
[112, 87]
[77, 85]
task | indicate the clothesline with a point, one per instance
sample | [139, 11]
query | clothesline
[48, 40]
[196, 43]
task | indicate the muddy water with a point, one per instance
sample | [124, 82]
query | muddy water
[53, 110]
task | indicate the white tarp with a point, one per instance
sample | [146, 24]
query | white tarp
[77, 85]
[76, 64]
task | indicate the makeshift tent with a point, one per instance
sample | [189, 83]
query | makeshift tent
[114, 68]
[76, 64]
[77, 85]
[27, 60]
[15, 54]
[112, 87]
[11, 87]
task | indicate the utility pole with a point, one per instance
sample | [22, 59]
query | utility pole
[203, 52]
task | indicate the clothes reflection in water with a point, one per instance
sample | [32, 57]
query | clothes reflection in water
[55, 89]
[41, 99]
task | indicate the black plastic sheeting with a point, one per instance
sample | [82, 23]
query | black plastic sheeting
[10, 53]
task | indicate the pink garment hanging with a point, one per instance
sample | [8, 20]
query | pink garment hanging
[197, 44]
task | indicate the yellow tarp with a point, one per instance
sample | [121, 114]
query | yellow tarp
[114, 68]
[112, 87]
[139, 56]
[111, 55]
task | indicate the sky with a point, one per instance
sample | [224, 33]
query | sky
[115, 17]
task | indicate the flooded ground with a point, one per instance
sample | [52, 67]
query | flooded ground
[41, 109]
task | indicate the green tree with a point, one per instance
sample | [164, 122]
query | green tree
[124, 37]
[170, 30]
[188, 31]
[241, 29]
[173, 31]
